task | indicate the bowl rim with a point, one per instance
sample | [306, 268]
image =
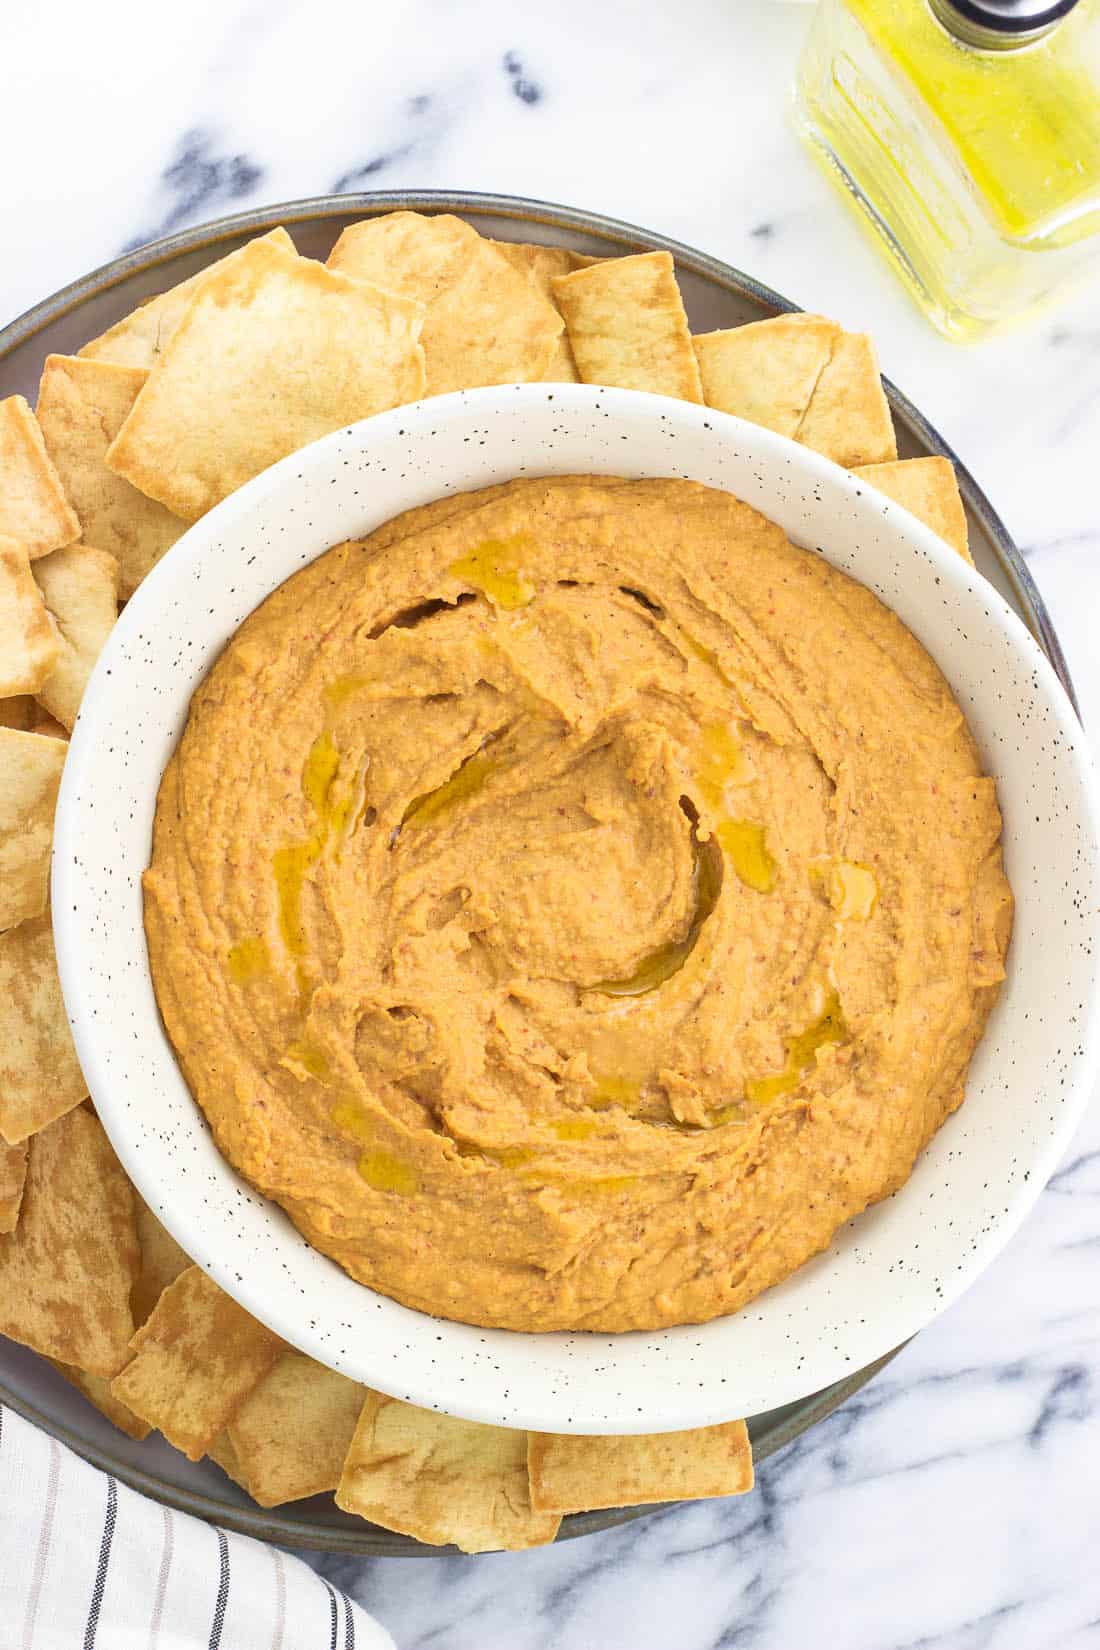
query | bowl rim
[141, 613]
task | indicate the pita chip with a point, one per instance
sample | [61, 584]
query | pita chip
[929, 488]
[162, 1261]
[222, 1453]
[539, 264]
[20, 713]
[80, 587]
[82, 405]
[273, 352]
[485, 321]
[293, 1431]
[40, 1077]
[561, 368]
[140, 338]
[13, 1174]
[97, 1390]
[627, 325]
[766, 371]
[29, 643]
[33, 506]
[195, 1360]
[66, 1270]
[47, 727]
[575, 1473]
[441, 1480]
[848, 418]
[30, 773]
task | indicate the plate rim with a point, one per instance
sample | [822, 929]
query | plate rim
[283, 1530]
[273, 1525]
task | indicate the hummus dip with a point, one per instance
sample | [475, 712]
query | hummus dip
[573, 903]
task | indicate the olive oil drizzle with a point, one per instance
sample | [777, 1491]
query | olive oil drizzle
[668, 959]
[249, 960]
[495, 567]
[829, 1027]
[471, 776]
[745, 845]
[722, 765]
[382, 1170]
[523, 1159]
[852, 888]
[292, 864]
[616, 1091]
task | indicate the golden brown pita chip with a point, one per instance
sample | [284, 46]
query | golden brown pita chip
[561, 368]
[40, 1078]
[293, 1431]
[140, 337]
[440, 1479]
[273, 351]
[67, 1269]
[571, 1473]
[97, 1390]
[485, 322]
[82, 405]
[540, 264]
[29, 643]
[929, 488]
[80, 587]
[13, 1174]
[33, 506]
[30, 772]
[20, 713]
[162, 1261]
[627, 325]
[766, 371]
[222, 1453]
[848, 418]
[47, 728]
[195, 1359]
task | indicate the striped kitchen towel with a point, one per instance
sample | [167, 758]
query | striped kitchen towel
[87, 1564]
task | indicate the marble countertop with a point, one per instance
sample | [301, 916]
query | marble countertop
[954, 1503]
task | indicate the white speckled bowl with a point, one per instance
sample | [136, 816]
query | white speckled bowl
[889, 1272]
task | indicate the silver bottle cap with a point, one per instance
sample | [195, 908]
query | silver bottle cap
[999, 25]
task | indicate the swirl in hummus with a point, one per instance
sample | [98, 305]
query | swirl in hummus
[573, 903]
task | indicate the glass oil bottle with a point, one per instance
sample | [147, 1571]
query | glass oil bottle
[967, 132]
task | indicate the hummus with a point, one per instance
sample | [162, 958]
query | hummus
[574, 903]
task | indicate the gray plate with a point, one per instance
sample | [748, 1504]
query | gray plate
[716, 296]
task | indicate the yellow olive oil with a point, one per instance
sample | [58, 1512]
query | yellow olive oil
[829, 1027]
[745, 846]
[495, 568]
[972, 151]
[249, 960]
